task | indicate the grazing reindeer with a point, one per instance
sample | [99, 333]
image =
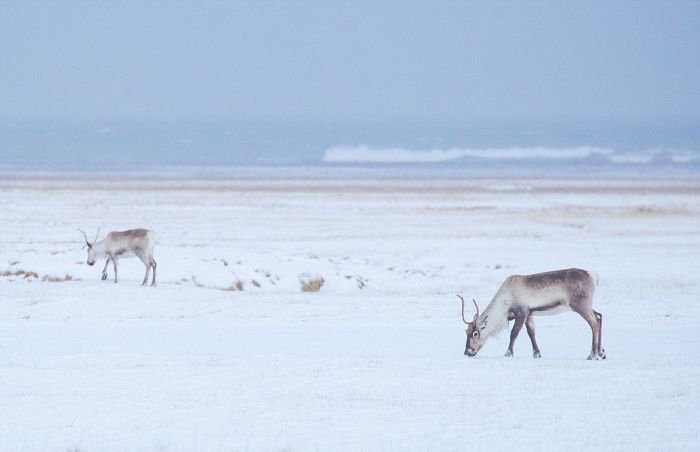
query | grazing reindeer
[137, 242]
[521, 297]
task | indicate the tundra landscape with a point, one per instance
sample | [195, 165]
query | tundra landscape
[320, 314]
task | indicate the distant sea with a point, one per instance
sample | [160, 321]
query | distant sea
[353, 148]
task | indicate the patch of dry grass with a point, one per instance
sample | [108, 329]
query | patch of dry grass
[65, 278]
[31, 275]
[26, 274]
[311, 284]
[651, 211]
[236, 287]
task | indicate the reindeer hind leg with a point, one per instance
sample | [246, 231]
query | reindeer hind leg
[589, 317]
[601, 350]
[581, 302]
[147, 264]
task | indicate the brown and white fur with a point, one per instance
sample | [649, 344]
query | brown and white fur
[116, 244]
[522, 296]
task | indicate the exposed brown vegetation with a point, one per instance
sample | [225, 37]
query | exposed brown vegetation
[31, 275]
[311, 284]
[26, 274]
[236, 287]
[65, 278]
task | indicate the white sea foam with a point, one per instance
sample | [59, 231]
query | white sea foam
[366, 154]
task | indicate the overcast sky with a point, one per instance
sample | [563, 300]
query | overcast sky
[374, 60]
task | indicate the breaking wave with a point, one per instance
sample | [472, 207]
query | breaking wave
[365, 154]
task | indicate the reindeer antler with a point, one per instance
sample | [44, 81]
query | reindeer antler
[98, 234]
[463, 319]
[84, 235]
[476, 316]
[477, 309]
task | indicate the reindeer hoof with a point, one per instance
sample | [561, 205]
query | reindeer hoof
[509, 354]
[602, 354]
[536, 355]
[104, 276]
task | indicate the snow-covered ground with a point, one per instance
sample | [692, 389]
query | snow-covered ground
[372, 361]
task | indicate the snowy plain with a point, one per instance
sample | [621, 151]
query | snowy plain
[228, 353]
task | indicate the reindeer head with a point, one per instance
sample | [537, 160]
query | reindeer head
[474, 329]
[91, 253]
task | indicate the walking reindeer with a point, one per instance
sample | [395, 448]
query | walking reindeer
[116, 244]
[520, 297]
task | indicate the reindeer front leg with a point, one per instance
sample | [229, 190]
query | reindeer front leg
[114, 261]
[530, 325]
[154, 265]
[104, 270]
[519, 321]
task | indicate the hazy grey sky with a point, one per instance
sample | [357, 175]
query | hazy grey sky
[370, 60]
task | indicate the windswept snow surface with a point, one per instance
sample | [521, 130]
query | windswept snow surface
[374, 359]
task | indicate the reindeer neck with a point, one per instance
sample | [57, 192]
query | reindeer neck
[99, 247]
[495, 317]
